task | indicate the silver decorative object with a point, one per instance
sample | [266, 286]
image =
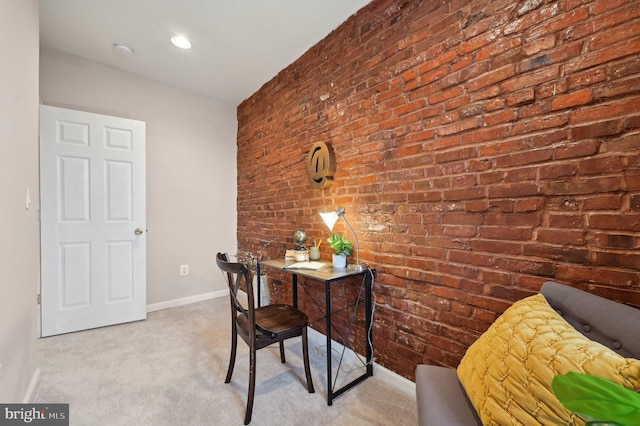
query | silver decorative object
[300, 236]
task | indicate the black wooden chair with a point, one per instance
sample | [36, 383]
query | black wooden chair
[260, 327]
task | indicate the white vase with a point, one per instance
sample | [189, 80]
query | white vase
[265, 294]
[339, 261]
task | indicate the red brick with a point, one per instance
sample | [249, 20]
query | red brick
[585, 186]
[539, 44]
[599, 275]
[540, 268]
[498, 47]
[621, 222]
[603, 202]
[500, 233]
[513, 190]
[622, 260]
[576, 150]
[555, 171]
[499, 117]
[529, 205]
[462, 218]
[539, 124]
[587, 78]
[562, 254]
[573, 99]
[566, 221]
[478, 42]
[623, 69]
[509, 293]
[604, 6]
[561, 236]
[531, 157]
[496, 247]
[618, 88]
[601, 165]
[491, 78]
[615, 241]
[520, 97]
[461, 126]
[443, 96]
[596, 130]
[530, 79]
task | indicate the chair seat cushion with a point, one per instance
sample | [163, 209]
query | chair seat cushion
[507, 372]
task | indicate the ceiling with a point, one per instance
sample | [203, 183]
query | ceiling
[237, 45]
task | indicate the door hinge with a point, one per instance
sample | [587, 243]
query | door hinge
[39, 299]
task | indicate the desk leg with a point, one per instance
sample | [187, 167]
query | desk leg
[329, 375]
[258, 283]
[294, 289]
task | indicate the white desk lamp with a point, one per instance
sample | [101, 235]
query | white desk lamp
[330, 219]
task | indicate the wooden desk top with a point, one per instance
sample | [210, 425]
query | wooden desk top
[326, 273]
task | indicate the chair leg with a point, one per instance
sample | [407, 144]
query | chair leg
[305, 355]
[282, 359]
[232, 358]
[252, 384]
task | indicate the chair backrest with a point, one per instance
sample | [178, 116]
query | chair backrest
[237, 273]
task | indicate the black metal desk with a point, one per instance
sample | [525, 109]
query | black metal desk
[328, 275]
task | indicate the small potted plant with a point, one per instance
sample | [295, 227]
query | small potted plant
[342, 248]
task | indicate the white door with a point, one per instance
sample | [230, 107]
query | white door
[92, 186]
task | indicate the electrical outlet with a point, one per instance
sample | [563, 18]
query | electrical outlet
[184, 270]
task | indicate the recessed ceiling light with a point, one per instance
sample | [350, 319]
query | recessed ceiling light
[181, 41]
[123, 48]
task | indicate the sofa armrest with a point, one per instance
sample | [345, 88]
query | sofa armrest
[441, 399]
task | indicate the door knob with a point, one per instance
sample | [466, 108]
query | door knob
[138, 231]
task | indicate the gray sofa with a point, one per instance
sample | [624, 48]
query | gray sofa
[441, 399]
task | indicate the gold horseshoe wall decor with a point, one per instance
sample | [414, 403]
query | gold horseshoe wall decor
[321, 165]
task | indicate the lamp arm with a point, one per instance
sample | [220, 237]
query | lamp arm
[354, 236]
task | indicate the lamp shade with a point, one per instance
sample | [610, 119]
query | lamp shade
[330, 219]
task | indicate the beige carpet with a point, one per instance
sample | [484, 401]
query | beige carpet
[170, 369]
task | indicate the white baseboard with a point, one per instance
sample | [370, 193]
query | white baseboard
[394, 379]
[33, 386]
[186, 300]
[391, 378]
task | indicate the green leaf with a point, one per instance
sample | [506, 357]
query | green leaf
[597, 398]
[340, 244]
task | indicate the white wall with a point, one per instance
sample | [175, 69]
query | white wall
[191, 166]
[19, 227]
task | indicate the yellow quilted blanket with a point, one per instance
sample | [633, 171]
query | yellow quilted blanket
[507, 372]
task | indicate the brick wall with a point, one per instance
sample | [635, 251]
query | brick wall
[483, 148]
